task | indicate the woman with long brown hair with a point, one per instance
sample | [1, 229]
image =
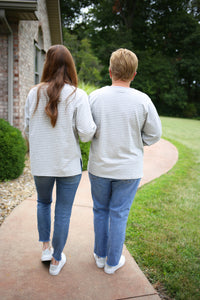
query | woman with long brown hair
[57, 113]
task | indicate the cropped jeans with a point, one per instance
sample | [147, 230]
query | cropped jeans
[66, 188]
[112, 200]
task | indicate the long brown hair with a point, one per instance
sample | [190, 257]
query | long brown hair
[59, 68]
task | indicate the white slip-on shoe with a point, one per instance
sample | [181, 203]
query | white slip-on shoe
[47, 254]
[55, 269]
[111, 270]
[100, 261]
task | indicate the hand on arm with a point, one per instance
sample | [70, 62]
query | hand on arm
[84, 122]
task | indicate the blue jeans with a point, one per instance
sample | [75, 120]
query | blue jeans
[66, 188]
[112, 200]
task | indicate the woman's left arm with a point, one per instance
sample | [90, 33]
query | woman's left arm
[27, 118]
[84, 122]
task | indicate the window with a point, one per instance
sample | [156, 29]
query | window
[37, 54]
[39, 57]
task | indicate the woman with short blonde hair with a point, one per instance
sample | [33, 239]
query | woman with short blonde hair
[126, 120]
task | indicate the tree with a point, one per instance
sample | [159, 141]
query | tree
[87, 64]
[177, 35]
[71, 11]
[163, 33]
[71, 42]
[157, 77]
[89, 67]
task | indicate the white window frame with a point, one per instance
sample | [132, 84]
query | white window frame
[39, 62]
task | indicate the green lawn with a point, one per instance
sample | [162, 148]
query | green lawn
[185, 131]
[163, 231]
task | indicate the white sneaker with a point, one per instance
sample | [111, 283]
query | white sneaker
[100, 261]
[47, 254]
[111, 270]
[55, 269]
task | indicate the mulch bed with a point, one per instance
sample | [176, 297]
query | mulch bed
[13, 192]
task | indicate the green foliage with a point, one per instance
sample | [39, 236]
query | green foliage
[168, 97]
[12, 151]
[89, 66]
[71, 10]
[191, 111]
[165, 32]
[85, 149]
[71, 42]
[87, 87]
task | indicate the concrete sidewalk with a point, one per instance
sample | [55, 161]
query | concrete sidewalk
[24, 277]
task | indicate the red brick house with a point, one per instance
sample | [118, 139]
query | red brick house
[27, 29]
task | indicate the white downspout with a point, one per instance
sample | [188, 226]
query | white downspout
[10, 67]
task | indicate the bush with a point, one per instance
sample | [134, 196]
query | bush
[85, 148]
[12, 151]
[190, 111]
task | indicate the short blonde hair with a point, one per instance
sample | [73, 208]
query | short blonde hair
[123, 64]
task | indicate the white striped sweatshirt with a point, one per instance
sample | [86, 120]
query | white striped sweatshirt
[126, 120]
[56, 151]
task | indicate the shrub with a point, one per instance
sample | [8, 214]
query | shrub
[190, 111]
[85, 148]
[12, 151]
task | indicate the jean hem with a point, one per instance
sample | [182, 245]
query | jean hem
[57, 259]
[111, 265]
[44, 241]
[100, 256]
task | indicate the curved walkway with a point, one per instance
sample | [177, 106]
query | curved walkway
[24, 277]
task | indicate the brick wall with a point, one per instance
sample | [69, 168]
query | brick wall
[4, 77]
[24, 35]
[16, 107]
[27, 30]
[28, 33]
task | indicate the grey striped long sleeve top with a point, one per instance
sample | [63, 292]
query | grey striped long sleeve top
[56, 151]
[126, 120]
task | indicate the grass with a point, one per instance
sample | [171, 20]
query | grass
[164, 222]
[185, 131]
